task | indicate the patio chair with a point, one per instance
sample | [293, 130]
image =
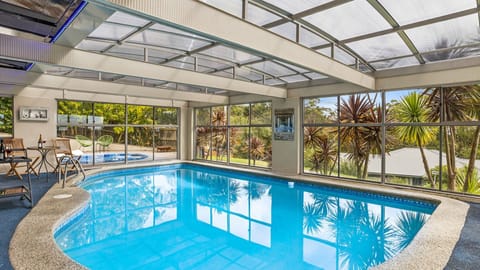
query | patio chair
[83, 140]
[65, 157]
[104, 141]
[18, 150]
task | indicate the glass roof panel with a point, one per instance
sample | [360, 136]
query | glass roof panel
[287, 30]
[446, 34]
[395, 63]
[315, 76]
[224, 73]
[164, 28]
[92, 45]
[231, 6]
[296, 68]
[230, 54]
[156, 56]
[130, 80]
[339, 55]
[249, 74]
[83, 74]
[273, 81]
[260, 16]
[272, 68]
[153, 83]
[349, 20]
[297, 6]
[167, 40]
[129, 52]
[124, 18]
[112, 31]
[202, 61]
[181, 65]
[295, 78]
[451, 53]
[310, 39]
[381, 47]
[410, 11]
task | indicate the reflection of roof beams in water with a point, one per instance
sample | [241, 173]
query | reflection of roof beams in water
[408, 162]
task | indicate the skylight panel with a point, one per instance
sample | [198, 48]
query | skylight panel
[411, 11]
[447, 34]
[272, 68]
[260, 16]
[233, 7]
[230, 54]
[395, 63]
[294, 78]
[339, 55]
[127, 19]
[349, 20]
[112, 31]
[310, 39]
[287, 30]
[297, 6]
[381, 47]
[173, 41]
[92, 45]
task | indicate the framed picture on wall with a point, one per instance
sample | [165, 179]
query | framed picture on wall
[33, 114]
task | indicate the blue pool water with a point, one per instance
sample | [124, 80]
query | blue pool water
[194, 217]
[111, 157]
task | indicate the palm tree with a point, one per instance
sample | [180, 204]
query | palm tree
[219, 134]
[457, 105]
[413, 109]
[257, 149]
[324, 157]
[360, 109]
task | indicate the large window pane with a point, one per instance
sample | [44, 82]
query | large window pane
[219, 116]
[320, 150]
[261, 146]
[320, 110]
[202, 116]
[239, 145]
[411, 106]
[140, 143]
[110, 113]
[203, 139]
[239, 114]
[74, 112]
[165, 142]
[140, 115]
[114, 152]
[412, 156]
[261, 113]
[166, 116]
[219, 144]
[6, 117]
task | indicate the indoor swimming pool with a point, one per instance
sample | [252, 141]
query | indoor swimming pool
[186, 216]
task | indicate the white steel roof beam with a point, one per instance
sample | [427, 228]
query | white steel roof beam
[199, 18]
[17, 77]
[29, 50]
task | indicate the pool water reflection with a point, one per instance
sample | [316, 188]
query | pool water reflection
[193, 217]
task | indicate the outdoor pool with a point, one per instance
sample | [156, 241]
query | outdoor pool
[186, 216]
[111, 157]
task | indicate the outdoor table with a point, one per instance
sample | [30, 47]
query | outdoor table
[17, 187]
[43, 158]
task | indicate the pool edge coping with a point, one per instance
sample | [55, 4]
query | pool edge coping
[33, 242]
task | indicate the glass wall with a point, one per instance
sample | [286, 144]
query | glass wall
[6, 117]
[236, 134]
[426, 138]
[116, 133]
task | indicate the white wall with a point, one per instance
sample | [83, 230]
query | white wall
[286, 154]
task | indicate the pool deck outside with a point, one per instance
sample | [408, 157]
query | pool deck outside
[33, 244]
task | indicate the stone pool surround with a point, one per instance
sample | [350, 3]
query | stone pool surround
[33, 245]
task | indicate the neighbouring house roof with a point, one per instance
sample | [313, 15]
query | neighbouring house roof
[408, 162]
